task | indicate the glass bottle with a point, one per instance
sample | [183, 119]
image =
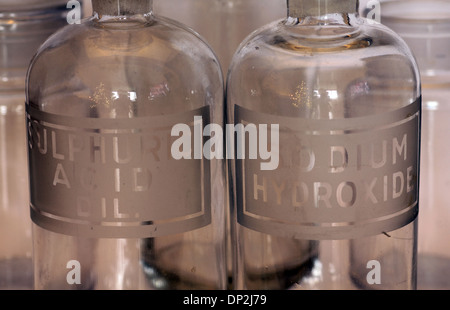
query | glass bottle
[22, 29]
[117, 201]
[425, 26]
[325, 179]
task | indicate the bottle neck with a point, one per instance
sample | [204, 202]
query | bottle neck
[300, 9]
[122, 7]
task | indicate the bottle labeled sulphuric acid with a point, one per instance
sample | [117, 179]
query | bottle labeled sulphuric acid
[325, 165]
[120, 197]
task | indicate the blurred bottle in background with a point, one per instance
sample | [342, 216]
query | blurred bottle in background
[223, 23]
[23, 27]
[87, 7]
[425, 26]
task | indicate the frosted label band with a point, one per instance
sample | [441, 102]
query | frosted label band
[337, 179]
[109, 178]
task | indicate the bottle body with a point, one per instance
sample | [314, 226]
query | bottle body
[425, 27]
[23, 30]
[113, 205]
[342, 97]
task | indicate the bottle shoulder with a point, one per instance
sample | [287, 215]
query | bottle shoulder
[283, 39]
[332, 73]
[158, 67]
[92, 40]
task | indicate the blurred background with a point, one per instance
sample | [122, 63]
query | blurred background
[424, 24]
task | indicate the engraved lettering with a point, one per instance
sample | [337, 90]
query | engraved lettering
[360, 172]
[109, 207]
[87, 179]
[345, 194]
[340, 194]
[369, 188]
[54, 148]
[117, 148]
[258, 187]
[38, 137]
[42, 143]
[97, 147]
[117, 213]
[399, 149]
[383, 159]
[61, 176]
[299, 157]
[409, 179]
[103, 176]
[278, 190]
[117, 180]
[398, 181]
[295, 194]
[154, 149]
[311, 158]
[142, 179]
[75, 146]
[343, 155]
[322, 192]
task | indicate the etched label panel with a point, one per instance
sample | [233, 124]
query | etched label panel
[337, 179]
[110, 178]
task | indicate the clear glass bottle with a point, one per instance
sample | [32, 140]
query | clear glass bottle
[113, 204]
[425, 26]
[336, 207]
[22, 29]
